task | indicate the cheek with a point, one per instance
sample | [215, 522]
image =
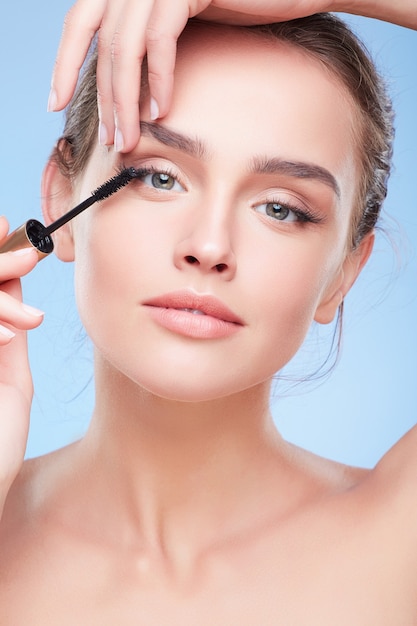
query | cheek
[114, 264]
[288, 284]
[277, 287]
[103, 260]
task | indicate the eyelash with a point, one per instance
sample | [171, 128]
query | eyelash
[152, 169]
[302, 216]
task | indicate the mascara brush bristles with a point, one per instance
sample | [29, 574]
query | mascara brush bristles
[104, 191]
[114, 184]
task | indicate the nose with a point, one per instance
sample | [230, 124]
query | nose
[207, 244]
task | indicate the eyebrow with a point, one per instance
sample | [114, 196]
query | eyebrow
[195, 148]
[189, 145]
[296, 169]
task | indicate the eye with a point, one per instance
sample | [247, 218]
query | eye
[287, 213]
[279, 211]
[164, 181]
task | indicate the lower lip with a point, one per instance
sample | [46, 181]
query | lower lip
[192, 325]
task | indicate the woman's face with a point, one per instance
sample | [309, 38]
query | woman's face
[202, 278]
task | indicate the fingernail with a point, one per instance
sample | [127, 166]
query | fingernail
[118, 140]
[154, 109]
[6, 332]
[23, 251]
[52, 101]
[103, 135]
[32, 311]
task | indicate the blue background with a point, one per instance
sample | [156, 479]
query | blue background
[370, 399]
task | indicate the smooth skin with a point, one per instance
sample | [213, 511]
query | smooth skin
[183, 505]
[130, 29]
[16, 389]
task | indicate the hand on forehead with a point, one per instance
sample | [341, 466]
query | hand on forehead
[129, 31]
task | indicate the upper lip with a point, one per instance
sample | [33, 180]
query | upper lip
[184, 299]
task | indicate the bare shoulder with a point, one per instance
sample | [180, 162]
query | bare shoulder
[396, 473]
[388, 493]
[385, 496]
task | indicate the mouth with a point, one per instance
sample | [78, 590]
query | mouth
[194, 315]
[197, 304]
[193, 311]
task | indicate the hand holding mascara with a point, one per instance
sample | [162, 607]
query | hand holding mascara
[34, 234]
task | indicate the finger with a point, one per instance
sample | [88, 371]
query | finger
[166, 23]
[13, 357]
[165, 27]
[16, 391]
[16, 315]
[4, 227]
[128, 51]
[109, 26]
[17, 263]
[81, 23]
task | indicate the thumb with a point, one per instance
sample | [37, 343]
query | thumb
[16, 392]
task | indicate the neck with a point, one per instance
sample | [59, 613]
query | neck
[178, 470]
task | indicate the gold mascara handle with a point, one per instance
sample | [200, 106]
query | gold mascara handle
[32, 234]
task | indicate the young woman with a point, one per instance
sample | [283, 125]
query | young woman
[252, 220]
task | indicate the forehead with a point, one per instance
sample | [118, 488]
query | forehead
[242, 73]
[247, 95]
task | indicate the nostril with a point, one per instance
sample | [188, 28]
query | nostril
[191, 259]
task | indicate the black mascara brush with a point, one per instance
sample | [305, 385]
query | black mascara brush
[35, 234]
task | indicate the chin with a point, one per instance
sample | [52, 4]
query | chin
[194, 386]
[189, 393]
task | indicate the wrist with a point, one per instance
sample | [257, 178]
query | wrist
[403, 13]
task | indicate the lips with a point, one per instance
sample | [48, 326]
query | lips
[193, 315]
[190, 302]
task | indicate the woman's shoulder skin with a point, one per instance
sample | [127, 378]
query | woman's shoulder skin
[394, 482]
[346, 546]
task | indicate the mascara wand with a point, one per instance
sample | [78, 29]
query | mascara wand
[34, 234]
